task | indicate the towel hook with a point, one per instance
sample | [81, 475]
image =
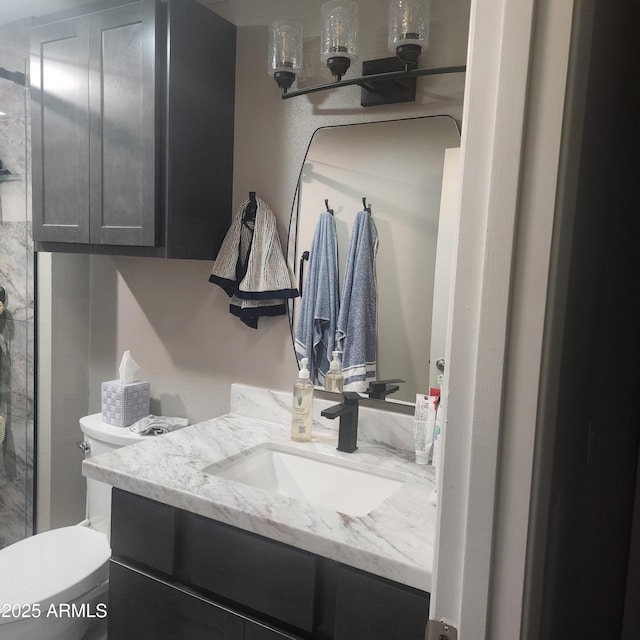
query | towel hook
[367, 207]
[305, 256]
[250, 210]
[326, 204]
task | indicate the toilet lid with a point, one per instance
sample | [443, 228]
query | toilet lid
[54, 566]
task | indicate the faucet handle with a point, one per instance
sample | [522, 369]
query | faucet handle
[351, 397]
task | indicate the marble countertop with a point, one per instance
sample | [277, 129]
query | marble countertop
[394, 541]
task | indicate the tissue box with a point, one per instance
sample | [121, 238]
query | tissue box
[123, 404]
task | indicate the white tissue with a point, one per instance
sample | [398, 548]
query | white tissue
[128, 368]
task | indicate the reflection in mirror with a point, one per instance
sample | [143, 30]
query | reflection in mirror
[398, 167]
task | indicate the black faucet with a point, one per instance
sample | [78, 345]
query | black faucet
[380, 389]
[348, 429]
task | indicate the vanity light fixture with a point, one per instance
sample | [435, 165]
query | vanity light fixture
[408, 29]
[285, 52]
[339, 35]
[383, 81]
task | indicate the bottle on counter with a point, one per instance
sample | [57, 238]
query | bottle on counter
[424, 424]
[334, 380]
[437, 446]
[302, 409]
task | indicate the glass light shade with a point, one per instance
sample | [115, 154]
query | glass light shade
[339, 30]
[285, 47]
[408, 23]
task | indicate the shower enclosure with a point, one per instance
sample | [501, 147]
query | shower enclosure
[16, 307]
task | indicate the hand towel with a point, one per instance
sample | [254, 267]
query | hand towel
[157, 425]
[317, 321]
[251, 268]
[358, 318]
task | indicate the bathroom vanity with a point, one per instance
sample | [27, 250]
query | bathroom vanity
[199, 554]
[176, 574]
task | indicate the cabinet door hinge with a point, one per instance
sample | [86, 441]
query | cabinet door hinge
[440, 630]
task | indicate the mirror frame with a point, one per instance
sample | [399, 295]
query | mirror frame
[292, 235]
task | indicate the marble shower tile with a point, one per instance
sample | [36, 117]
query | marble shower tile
[16, 388]
[17, 323]
[15, 269]
[13, 154]
[16, 481]
[13, 99]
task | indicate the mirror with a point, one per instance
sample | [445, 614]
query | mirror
[398, 167]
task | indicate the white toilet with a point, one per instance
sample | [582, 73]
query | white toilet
[52, 585]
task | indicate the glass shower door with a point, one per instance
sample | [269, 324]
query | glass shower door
[16, 308]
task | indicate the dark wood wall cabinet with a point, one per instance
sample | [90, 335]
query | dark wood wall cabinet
[179, 575]
[132, 129]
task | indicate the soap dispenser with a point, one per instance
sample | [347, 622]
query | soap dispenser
[334, 379]
[302, 410]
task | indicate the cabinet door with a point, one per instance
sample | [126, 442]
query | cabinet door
[123, 125]
[269, 577]
[143, 531]
[376, 609]
[60, 131]
[144, 608]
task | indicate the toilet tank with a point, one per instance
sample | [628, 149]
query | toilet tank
[101, 438]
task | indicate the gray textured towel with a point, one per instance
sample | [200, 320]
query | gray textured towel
[317, 321]
[157, 425]
[251, 268]
[358, 318]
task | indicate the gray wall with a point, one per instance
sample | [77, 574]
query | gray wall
[176, 324]
[63, 364]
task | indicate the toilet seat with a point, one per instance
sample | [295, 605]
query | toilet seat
[52, 567]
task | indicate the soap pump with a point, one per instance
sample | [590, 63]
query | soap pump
[334, 380]
[302, 409]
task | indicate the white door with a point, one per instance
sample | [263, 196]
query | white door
[514, 99]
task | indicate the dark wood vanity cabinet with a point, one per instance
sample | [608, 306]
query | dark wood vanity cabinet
[143, 607]
[132, 129]
[179, 575]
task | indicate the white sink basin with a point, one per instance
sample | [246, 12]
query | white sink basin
[316, 479]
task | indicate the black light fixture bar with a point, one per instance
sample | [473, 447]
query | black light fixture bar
[368, 81]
